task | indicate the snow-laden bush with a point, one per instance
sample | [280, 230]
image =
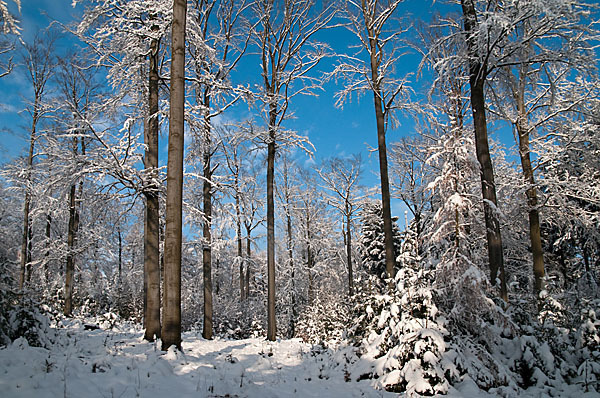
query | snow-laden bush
[588, 343]
[323, 322]
[22, 317]
[400, 334]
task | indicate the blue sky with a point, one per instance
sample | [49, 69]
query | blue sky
[333, 131]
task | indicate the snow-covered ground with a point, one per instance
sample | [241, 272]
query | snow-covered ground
[118, 363]
[102, 363]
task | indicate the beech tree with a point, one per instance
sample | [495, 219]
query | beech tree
[288, 56]
[152, 191]
[241, 161]
[171, 332]
[217, 41]
[342, 179]
[39, 61]
[372, 69]
[135, 35]
[479, 69]
[554, 41]
[77, 90]
[492, 41]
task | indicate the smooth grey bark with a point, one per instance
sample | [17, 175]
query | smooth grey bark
[171, 331]
[151, 224]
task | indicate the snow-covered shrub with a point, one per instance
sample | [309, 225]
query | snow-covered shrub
[400, 334]
[323, 322]
[21, 316]
[588, 343]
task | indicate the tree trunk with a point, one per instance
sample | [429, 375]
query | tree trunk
[390, 258]
[349, 253]
[271, 326]
[171, 332]
[310, 261]
[26, 228]
[248, 254]
[72, 237]
[477, 77]
[207, 330]
[238, 230]
[29, 252]
[120, 276]
[47, 255]
[534, 216]
[291, 258]
[151, 226]
[69, 268]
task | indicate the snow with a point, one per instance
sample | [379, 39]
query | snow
[119, 363]
[104, 363]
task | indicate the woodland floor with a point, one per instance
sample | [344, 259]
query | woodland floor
[118, 363]
[102, 363]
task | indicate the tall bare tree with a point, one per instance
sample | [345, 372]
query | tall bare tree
[528, 87]
[288, 56]
[378, 29]
[478, 72]
[151, 225]
[77, 91]
[39, 61]
[341, 177]
[218, 41]
[171, 332]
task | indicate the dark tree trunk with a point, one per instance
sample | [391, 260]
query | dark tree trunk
[349, 252]
[310, 260]
[531, 192]
[271, 326]
[248, 254]
[47, 255]
[25, 254]
[238, 230]
[171, 332]
[207, 330]
[69, 268]
[120, 280]
[291, 261]
[120, 275]
[477, 77]
[390, 258]
[534, 215]
[72, 237]
[151, 226]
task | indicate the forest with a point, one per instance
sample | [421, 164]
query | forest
[170, 227]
